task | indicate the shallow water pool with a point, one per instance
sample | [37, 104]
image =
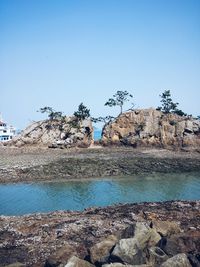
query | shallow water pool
[23, 198]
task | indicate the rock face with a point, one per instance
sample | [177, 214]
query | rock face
[67, 132]
[150, 127]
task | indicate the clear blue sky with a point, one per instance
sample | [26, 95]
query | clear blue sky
[59, 53]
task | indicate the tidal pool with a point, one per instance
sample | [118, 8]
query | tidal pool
[24, 198]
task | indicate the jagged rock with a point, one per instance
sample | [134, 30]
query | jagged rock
[76, 262]
[180, 260]
[150, 127]
[157, 256]
[166, 228]
[100, 252]
[16, 264]
[131, 250]
[56, 134]
[122, 265]
[182, 243]
[63, 254]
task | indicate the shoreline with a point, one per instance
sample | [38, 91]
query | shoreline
[32, 239]
[38, 165]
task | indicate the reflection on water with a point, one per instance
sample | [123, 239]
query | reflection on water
[17, 199]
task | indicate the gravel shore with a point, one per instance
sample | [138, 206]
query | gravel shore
[35, 164]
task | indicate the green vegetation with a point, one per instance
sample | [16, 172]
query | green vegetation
[168, 106]
[106, 119]
[82, 113]
[119, 99]
[52, 114]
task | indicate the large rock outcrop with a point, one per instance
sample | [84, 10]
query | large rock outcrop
[67, 132]
[150, 127]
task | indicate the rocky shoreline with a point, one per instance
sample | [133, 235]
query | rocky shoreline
[35, 164]
[156, 232]
[52, 239]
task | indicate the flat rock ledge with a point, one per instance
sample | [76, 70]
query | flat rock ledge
[145, 234]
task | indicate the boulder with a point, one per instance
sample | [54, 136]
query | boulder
[131, 250]
[63, 254]
[156, 256]
[150, 127]
[166, 228]
[16, 264]
[76, 262]
[100, 252]
[182, 243]
[122, 265]
[180, 260]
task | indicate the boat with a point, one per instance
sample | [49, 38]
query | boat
[7, 132]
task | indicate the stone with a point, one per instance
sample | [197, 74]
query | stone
[16, 264]
[100, 252]
[166, 228]
[128, 251]
[116, 264]
[156, 256]
[76, 262]
[182, 243]
[180, 260]
[131, 250]
[63, 254]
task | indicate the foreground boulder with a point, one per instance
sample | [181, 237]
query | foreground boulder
[63, 254]
[150, 127]
[100, 252]
[76, 262]
[131, 250]
[122, 265]
[180, 260]
[166, 228]
[65, 132]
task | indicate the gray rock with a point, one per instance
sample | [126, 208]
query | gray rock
[122, 265]
[180, 260]
[166, 228]
[131, 250]
[63, 254]
[100, 252]
[76, 262]
[157, 256]
[16, 264]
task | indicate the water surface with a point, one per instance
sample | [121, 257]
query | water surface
[22, 198]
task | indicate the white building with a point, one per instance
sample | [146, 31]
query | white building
[6, 131]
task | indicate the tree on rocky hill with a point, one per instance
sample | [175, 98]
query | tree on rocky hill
[52, 114]
[168, 106]
[119, 99]
[82, 113]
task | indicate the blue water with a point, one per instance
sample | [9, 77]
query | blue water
[22, 198]
[97, 134]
